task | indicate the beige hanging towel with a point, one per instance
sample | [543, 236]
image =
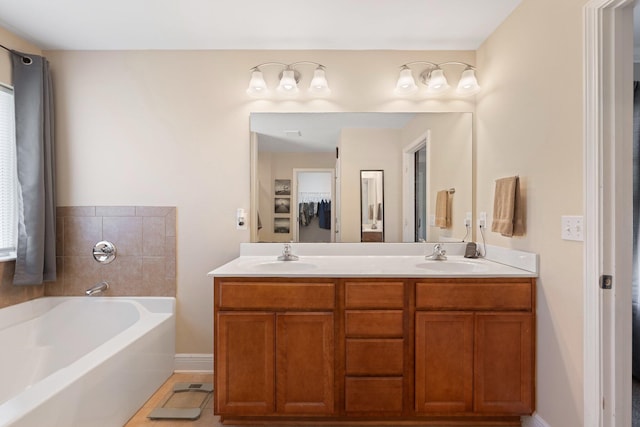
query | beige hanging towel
[508, 215]
[443, 214]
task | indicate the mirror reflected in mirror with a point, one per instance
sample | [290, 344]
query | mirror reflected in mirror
[371, 206]
[421, 154]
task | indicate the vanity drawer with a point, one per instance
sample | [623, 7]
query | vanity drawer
[374, 294]
[363, 394]
[509, 295]
[374, 357]
[277, 295]
[374, 323]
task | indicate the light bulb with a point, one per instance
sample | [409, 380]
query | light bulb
[437, 82]
[406, 84]
[468, 85]
[319, 82]
[288, 82]
[257, 85]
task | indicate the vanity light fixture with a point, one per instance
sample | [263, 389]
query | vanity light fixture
[289, 78]
[434, 79]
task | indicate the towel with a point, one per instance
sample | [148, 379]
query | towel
[443, 214]
[508, 215]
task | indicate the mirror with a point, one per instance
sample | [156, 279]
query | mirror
[419, 154]
[371, 206]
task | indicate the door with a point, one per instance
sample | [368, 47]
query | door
[415, 190]
[444, 362]
[608, 123]
[245, 361]
[305, 364]
[504, 366]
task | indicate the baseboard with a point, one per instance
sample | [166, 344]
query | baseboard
[534, 420]
[186, 362]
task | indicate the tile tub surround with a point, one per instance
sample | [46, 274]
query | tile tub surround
[145, 238]
[10, 294]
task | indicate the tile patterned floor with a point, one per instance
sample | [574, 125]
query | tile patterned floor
[164, 392]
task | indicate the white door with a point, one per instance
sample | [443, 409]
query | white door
[608, 213]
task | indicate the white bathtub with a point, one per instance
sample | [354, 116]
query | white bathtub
[83, 361]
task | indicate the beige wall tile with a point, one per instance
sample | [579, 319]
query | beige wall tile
[80, 274]
[125, 233]
[56, 288]
[59, 236]
[153, 236]
[124, 275]
[153, 210]
[170, 223]
[10, 294]
[115, 211]
[170, 257]
[76, 211]
[81, 234]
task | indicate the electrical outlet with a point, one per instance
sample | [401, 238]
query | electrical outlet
[482, 220]
[241, 219]
[467, 219]
[572, 228]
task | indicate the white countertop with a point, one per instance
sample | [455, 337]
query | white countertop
[254, 263]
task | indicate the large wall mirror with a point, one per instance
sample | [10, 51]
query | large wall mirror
[306, 174]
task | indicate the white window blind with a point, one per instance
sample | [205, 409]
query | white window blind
[8, 176]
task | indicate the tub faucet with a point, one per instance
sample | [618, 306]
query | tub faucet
[286, 254]
[98, 288]
[439, 254]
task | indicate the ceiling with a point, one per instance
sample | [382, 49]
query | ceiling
[316, 132]
[255, 24]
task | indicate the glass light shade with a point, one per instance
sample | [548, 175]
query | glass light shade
[288, 82]
[468, 85]
[406, 83]
[437, 82]
[319, 82]
[257, 85]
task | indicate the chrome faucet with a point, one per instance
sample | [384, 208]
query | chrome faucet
[98, 288]
[439, 253]
[286, 254]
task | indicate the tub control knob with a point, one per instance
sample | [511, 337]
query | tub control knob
[104, 252]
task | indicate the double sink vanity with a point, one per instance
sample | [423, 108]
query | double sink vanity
[373, 333]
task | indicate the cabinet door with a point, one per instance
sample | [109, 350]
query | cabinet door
[305, 363]
[245, 363]
[504, 368]
[444, 362]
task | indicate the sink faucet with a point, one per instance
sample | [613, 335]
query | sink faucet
[439, 254]
[286, 254]
[98, 288]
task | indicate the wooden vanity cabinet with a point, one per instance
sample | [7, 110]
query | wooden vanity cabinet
[274, 347]
[416, 351]
[475, 346]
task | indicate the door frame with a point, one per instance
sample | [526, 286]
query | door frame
[408, 188]
[608, 42]
[294, 199]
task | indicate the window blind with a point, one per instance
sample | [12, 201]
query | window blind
[8, 175]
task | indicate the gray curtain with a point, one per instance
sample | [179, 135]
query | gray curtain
[635, 283]
[36, 256]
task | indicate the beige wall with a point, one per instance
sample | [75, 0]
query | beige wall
[171, 128]
[529, 122]
[450, 165]
[356, 154]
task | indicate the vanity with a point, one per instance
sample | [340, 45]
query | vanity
[391, 339]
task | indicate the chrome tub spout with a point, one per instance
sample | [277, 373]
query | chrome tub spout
[98, 288]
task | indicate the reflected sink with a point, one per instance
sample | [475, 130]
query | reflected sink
[281, 266]
[453, 266]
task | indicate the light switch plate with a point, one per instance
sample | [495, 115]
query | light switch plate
[572, 228]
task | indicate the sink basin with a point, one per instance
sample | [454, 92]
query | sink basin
[268, 266]
[453, 266]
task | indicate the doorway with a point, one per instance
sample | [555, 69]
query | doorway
[415, 190]
[313, 191]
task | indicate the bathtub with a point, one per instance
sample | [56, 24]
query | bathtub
[83, 361]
